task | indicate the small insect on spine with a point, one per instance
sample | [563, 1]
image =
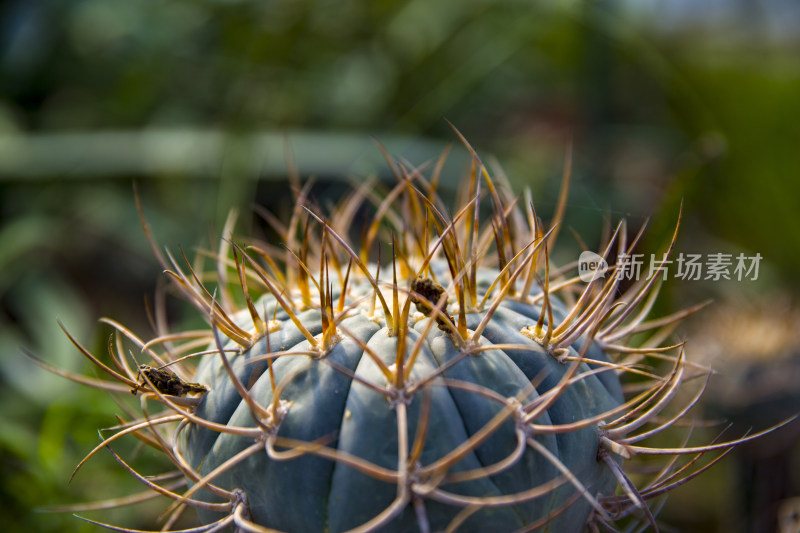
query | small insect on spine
[166, 382]
[426, 294]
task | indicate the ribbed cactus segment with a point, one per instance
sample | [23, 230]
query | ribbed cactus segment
[452, 395]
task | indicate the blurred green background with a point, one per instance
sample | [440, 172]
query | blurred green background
[197, 101]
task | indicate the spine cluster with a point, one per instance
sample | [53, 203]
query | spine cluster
[449, 275]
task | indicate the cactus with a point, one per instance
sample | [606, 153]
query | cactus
[462, 384]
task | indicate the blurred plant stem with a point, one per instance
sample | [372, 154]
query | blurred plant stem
[200, 153]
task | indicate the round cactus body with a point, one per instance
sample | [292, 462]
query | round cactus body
[466, 408]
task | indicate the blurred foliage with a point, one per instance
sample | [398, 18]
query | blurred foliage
[663, 102]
